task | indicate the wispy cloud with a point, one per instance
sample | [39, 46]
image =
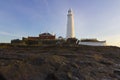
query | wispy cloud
[8, 34]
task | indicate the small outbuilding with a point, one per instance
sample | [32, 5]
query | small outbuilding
[92, 42]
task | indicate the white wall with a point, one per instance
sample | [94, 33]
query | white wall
[93, 43]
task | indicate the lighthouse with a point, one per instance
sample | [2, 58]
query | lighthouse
[70, 25]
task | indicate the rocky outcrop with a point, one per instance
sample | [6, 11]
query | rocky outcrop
[59, 63]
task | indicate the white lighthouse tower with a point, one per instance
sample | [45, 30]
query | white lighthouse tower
[70, 25]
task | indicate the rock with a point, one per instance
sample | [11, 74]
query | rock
[60, 63]
[51, 76]
[2, 77]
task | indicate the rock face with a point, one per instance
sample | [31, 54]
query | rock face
[59, 63]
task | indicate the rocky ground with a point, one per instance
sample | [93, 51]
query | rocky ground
[59, 63]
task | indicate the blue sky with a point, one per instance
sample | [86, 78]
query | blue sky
[93, 18]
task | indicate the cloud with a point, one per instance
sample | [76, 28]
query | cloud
[8, 34]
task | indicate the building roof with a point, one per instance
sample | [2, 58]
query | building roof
[46, 34]
[90, 40]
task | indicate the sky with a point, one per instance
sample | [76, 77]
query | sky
[93, 19]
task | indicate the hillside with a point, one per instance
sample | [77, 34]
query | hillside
[59, 63]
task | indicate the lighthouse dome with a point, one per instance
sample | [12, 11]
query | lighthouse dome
[70, 10]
